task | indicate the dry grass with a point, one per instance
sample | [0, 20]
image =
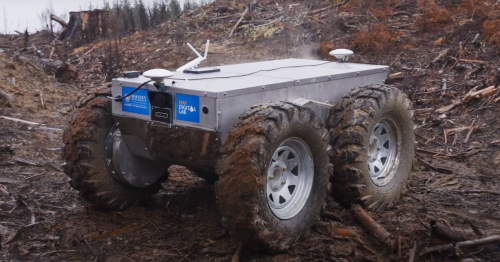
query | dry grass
[476, 9]
[377, 38]
[491, 32]
[431, 15]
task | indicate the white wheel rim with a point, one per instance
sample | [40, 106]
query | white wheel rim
[289, 179]
[383, 151]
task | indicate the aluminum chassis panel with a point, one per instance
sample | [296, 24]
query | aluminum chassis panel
[236, 88]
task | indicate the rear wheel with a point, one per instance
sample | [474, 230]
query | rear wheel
[88, 161]
[273, 175]
[373, 146]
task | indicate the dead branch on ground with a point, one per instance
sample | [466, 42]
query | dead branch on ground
[459, 245]
[442, 233]
[373, 227]
[238, 23]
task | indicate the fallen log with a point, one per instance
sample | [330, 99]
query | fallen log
[62, 71]
[441, 233]
[459, 245]
[373, 227]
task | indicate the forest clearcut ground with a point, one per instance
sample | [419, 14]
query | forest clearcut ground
[443, 54]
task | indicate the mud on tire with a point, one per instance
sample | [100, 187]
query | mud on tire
[84, 152]
[243, 168]
[372, 138]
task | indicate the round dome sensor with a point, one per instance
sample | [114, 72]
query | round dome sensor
[158, 74]
[341, 54]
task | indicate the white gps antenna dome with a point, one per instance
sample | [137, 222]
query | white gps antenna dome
[158, 74]
[341, 54]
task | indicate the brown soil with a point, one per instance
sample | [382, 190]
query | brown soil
[454, 181]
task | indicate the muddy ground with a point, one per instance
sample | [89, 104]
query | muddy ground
[454, 181]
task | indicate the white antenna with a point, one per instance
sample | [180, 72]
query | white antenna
[196, 61]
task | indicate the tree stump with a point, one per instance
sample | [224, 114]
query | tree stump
[85, 26]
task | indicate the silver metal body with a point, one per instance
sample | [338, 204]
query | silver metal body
[210, 103]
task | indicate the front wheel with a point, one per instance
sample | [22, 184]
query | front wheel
[373, 146]
[273, 175]
[87, 163]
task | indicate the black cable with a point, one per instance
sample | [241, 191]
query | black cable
[119, 98]
[262, 70]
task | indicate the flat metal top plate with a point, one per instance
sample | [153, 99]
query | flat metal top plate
[234, 80]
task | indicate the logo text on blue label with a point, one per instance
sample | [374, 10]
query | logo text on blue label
[188, 108]
[137, 103]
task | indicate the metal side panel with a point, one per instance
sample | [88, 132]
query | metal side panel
[331, 92]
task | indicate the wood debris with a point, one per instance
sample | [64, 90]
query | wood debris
[373, 227]
[464, 244]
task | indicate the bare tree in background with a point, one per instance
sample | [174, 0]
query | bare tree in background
[46, 22]
[5, 20]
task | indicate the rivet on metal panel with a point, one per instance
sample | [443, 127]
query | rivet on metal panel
[357, 73]
[225, 93]
[120, 83]
[176, 127]
[145, 149]
[219, 113]
[205, 93]
[384, 69]
[263, 87]
[298, 82]
[117, 124]
[329, 77]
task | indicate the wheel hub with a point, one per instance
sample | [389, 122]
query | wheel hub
[127, 168]
[382, 151]
[289, 178]
[277, 180]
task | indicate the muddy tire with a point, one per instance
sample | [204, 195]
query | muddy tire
[84, 152]
[273, 175]
[373, 143]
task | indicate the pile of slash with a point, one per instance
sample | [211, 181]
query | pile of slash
[449, 69]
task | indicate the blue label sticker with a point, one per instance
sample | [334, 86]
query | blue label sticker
[187, 108]
[137, 103]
